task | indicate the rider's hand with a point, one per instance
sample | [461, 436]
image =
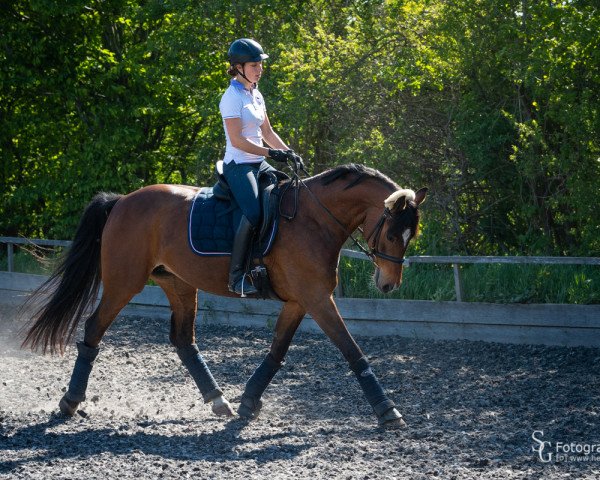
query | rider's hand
[297, 159]
[278, 155]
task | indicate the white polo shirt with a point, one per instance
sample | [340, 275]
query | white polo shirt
[237, 102]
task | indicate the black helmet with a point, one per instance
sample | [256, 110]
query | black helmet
[245, 50]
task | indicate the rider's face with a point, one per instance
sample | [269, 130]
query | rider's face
[253, 71]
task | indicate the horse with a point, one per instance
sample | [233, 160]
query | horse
[123, 240]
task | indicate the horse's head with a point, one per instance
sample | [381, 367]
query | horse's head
[391, 235]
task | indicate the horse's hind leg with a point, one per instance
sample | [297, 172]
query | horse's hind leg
[183, 300]
[112, 302]
[287, 323]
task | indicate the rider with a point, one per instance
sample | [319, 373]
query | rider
[246, 126]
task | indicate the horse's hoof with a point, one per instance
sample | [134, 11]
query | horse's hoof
[67, 407]
[220, 406]
[247, 413]
[392, 419]
[249, 408]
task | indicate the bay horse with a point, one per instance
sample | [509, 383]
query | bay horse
[122, 240]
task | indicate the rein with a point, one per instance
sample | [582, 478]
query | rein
[371, 252]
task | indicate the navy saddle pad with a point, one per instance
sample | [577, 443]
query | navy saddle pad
[211, 225]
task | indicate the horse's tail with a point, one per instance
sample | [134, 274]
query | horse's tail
[74, 284]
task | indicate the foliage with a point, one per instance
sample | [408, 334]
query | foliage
[493, 105]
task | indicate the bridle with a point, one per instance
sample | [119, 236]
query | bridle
[372, 251]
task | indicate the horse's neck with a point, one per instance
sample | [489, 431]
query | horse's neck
[350, 207]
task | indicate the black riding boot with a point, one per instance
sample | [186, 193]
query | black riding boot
[238, 281]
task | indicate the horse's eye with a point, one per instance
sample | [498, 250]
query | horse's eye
[391, 237]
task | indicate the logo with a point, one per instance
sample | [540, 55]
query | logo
[541, 445]
[564, 451]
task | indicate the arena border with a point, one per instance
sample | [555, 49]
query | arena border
[545, 324]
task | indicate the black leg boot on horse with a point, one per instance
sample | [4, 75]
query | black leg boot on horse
[238, 280]
[191, 358]
[288, 321]
[250, 403]
[79, 379]
[384, 408]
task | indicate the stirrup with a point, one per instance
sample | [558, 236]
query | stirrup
[243, 287]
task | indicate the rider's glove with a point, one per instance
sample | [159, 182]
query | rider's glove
[297, 159]
[279, 155]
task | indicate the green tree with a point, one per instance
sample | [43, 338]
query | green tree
[493, 105]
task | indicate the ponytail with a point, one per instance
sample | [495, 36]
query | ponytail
[232, 71]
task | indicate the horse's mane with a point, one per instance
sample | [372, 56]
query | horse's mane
[406, 218]
[360, 173]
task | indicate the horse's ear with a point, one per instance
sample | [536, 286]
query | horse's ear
[420, 195]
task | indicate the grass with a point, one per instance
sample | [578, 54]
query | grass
[40, 261]
[495, 283]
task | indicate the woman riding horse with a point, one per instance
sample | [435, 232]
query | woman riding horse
[246, 126]
[122, 240]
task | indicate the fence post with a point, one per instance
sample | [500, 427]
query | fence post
[10, 257]
[457, 282]
[339, 289]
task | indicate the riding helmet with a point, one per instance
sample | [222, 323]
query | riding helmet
[245, 50]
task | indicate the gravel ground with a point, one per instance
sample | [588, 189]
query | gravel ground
[471, 409]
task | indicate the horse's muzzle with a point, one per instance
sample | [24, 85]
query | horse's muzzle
[385, 285]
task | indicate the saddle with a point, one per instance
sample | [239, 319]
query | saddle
[214, 215]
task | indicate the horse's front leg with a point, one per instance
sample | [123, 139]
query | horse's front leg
[287, 323]
[326, 314]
